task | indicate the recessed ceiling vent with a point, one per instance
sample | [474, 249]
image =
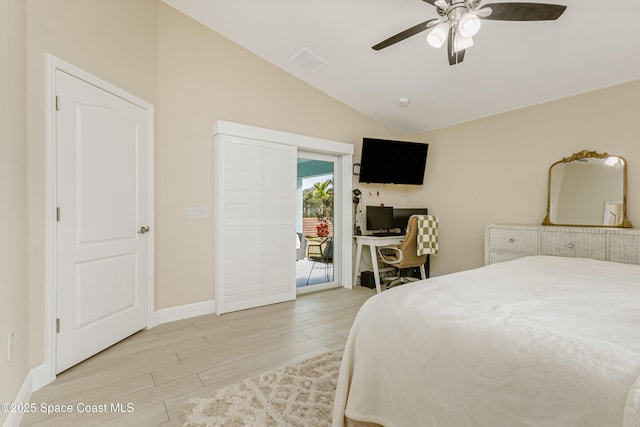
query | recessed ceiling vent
[308, 60]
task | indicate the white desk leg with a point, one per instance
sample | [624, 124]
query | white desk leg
[376, 273]
[356, 268]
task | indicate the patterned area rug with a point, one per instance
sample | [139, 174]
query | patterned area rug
[295, 395]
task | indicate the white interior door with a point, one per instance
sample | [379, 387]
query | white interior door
[102, 194]
[255, 243]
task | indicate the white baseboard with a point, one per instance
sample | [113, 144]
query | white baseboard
[28, 386]
[40, 377]
[184, 311]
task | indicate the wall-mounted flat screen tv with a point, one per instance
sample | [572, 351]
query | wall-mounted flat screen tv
[384, 161]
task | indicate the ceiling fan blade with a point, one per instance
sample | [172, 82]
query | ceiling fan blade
[524, 11]
[454, 57]
[431, 2]
[416, 29]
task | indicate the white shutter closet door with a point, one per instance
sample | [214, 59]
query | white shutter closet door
[255, 245]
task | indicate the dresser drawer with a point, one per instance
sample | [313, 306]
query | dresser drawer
[507, 242]
[579, 245]
[499, 256]
[512, 240]
[624, 248]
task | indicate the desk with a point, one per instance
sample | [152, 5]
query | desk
[373, 242]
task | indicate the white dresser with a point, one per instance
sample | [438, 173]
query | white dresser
[507, 242]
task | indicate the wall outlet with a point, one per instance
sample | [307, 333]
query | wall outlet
[10, 347]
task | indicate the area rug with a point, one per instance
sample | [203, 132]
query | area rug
[295, 395]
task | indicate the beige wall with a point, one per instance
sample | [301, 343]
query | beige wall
[193, 77]
[13, 186]
[495, 170]
[114, 40]
[487, 171]
[204, 77]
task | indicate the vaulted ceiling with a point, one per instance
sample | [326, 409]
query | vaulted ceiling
[512, 65]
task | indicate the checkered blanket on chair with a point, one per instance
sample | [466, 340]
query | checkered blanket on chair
[427, 234]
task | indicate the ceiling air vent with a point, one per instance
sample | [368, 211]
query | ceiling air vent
[308, 60]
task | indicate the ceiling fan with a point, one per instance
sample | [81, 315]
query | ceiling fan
[460, 20]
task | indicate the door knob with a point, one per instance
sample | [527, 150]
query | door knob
[143, 230]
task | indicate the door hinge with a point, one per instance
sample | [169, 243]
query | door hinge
[58, 214]
[57, 103]
[58, 325]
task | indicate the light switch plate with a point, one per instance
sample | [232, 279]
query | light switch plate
[197, 212]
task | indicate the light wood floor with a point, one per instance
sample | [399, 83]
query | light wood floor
[157, 370]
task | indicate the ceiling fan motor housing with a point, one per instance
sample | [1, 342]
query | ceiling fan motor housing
[454, 10]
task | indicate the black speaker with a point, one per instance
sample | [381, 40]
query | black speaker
[367, 280]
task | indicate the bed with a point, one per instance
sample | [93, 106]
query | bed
[537, 341]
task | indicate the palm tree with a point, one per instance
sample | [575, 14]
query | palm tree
[323, 193]
[318, 199]
[309, 202]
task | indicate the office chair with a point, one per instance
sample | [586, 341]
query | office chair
[321, 252]
[404, 255]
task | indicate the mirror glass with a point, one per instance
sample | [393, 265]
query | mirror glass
[588, 189]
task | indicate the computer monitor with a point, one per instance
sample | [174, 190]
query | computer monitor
[401, 216]
[379, 217]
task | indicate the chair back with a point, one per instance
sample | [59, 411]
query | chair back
[327, 251]
[322, 251]
[409, 246]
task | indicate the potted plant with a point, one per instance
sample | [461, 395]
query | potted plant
[322, 229]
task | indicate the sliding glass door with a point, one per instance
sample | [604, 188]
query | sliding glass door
[316, 228]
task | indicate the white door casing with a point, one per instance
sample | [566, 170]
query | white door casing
[102, 273]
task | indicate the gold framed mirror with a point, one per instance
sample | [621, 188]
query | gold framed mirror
[588, 189]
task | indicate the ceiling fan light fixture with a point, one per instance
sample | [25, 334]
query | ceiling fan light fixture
[438, 35]
[469, 25]
[462, 43]
[460, 20]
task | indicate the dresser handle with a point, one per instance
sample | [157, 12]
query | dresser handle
[570, 245]
[511, 240]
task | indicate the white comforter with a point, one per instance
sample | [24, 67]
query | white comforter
[539, 341]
